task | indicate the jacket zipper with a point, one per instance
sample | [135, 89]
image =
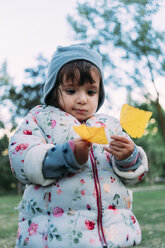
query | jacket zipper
[99, 201]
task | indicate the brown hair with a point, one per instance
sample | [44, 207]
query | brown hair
[76, 70]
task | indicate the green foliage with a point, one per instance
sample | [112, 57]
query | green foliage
[5, 86]
[1, 124]
[133, 55]
[31, 92]
[18, 103]
[7, 180]
[122, 31]
[153, 142]
[5, 79]
[8, 90]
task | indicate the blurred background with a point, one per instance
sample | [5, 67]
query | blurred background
[130, 36]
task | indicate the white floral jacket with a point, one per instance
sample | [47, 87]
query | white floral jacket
[89, 208]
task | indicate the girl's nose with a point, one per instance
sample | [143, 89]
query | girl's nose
[82, 98]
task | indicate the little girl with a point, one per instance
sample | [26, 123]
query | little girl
[75, 194]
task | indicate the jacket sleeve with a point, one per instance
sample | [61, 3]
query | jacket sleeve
[60, 160]
[136, 173]
[31, 156]
[131, 163]
[133, 169]
[27, 149]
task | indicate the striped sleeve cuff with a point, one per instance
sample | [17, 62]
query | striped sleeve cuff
[131, 163]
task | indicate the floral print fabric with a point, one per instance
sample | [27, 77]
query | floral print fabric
[90, 208]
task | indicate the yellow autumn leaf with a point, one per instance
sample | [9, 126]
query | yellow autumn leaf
[134, 120]
[92, 134]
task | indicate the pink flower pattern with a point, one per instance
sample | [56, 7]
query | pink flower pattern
[27, 132]
[53, 123]
[90, 225]
[58, 191]
[21, 147]
[58, 212]
[32, 229]
[82, 181]
[83, 192]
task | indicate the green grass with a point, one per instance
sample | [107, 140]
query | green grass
[149, 208]
[8, 220]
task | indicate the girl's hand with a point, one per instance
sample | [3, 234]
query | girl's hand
[121, 147]
[81, 151]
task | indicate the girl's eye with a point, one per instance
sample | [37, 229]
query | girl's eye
[70, 91]
[91, 92]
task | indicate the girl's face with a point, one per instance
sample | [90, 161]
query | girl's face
[81, 101]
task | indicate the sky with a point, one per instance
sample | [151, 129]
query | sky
[31, 27]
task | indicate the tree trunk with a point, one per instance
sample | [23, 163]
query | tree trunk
[161, 119]
[19, 188]
[161, 123]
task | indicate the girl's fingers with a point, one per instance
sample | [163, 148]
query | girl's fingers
[121, 142]
[82, 141]
[118, 144]
[116, 154]
[117, 149]
[121, 139]
[107, 149]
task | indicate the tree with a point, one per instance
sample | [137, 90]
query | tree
[7, 181]
[152, 142]
[132, 49]
[5, 85]
[31, 92]
[17, 103]
[122, 31]
[125, 25]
